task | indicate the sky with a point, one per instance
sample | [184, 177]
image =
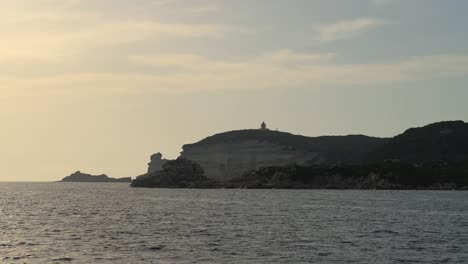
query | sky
[99, 86]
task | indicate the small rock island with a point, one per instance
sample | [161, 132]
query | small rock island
[83, 177]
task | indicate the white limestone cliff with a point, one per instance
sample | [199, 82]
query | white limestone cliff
[227, 160]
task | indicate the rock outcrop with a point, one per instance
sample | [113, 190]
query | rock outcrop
[228, 155]
[156, 163]
[180, 173]
[83, 177]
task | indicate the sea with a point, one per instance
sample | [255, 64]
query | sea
[114, 223]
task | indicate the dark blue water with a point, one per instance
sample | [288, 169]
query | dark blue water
[112, 223]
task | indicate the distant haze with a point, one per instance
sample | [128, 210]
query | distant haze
[99, 86]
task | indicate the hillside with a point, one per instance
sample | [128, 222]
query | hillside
[336, 148]
[228, 155]
[443, 141]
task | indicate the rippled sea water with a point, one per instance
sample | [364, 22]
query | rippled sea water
[113, 223]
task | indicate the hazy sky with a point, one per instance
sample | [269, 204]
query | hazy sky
[99, 86]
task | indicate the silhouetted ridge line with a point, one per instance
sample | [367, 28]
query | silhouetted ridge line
[355, 143]
[442, 141]
[84, 177]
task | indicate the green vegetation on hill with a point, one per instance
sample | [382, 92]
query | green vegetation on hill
[444, 141]
[389, 175]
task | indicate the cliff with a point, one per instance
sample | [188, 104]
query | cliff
[156, 163]
[83, 177]
[228, 155]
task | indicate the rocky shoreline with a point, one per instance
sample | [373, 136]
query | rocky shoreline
[183, 173]
[362, 177]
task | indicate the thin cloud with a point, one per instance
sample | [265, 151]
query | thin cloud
[284, 57]
[205, 9]
[347, 29]
[53, 45]
[283, 69]
[59, 32]
[381, 2]
[54, 40]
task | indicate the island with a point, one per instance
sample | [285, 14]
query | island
[83, 177]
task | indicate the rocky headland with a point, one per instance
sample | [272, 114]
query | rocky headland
[83, 177]
[430, 157]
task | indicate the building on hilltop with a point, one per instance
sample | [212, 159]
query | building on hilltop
[263, 126]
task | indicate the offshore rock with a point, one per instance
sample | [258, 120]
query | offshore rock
[83, 177]
[180, 173]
